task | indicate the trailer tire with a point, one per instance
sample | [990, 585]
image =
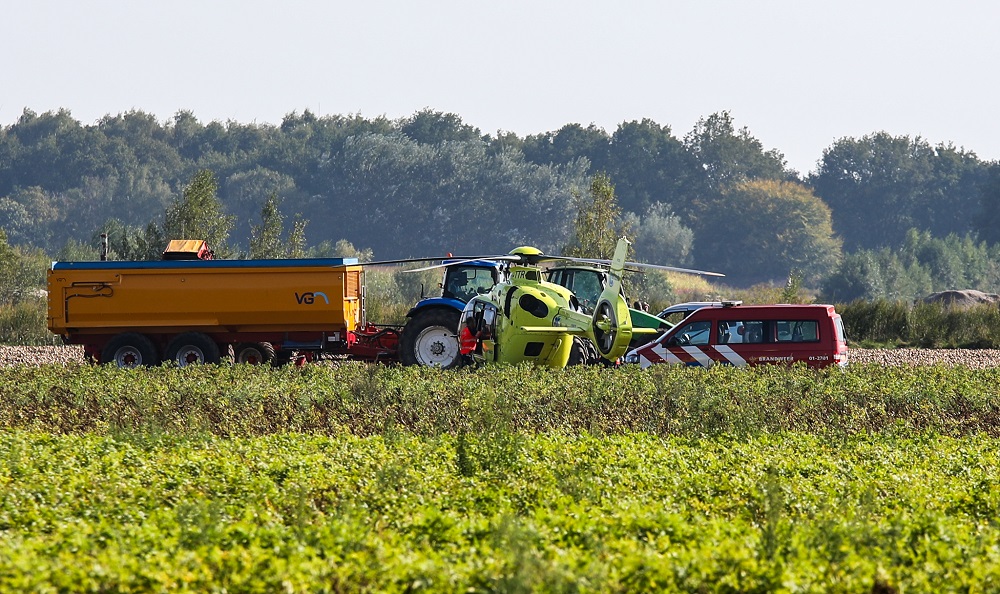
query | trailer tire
[430, 338]
[130, 350]
[254, 353]
[192, 348]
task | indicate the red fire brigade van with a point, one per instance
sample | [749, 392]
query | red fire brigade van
[750, 335]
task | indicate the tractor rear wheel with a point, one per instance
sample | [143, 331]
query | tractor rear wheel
[430, 338]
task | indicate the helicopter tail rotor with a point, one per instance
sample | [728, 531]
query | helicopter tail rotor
[612, 322]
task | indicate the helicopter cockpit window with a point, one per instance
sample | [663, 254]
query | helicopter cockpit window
[586, 285]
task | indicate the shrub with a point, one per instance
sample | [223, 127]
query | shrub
[24, 323]
[926, 325]
[879, 321]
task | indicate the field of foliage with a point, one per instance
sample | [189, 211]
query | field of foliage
[372, 478]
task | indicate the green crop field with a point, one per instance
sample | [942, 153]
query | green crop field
[510, 479]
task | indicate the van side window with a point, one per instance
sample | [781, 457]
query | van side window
[755, 331]
[731, 332]
[725, 333]
[798, 331]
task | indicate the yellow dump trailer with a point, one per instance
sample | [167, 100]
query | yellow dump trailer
[142, 313]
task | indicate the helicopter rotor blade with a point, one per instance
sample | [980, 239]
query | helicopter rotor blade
[535, 259]
[630, 264]
[674, 269]
[432, 259]
[456, 262]
[402, 261]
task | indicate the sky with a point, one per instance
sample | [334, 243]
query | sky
[798, 74]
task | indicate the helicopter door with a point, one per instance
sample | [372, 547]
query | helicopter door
[480, 317]
[491, 348]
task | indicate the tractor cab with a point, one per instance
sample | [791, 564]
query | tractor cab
[465, 281]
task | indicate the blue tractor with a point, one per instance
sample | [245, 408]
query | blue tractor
[429, 337]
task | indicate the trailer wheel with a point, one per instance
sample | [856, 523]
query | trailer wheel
[254, 353]
[192, 348]
[430, 338]
[130, 350]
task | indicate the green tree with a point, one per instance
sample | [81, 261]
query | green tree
[763, 229]
[728, 155]
[950, 200]
[199, 214]
[22, 272]
[598, 223]
[342, 249]
[880, 186]
[297, 238]
[265, 238]
[434, 127]
[8, 270]
[569, 143]
[126, 242]
[875, 274]
[987, 221]
[77, 251]
[413, 199]
[922, 265]
[35, 216]
[661, 237]
[244, 191]
[650, 165]
[54, 152]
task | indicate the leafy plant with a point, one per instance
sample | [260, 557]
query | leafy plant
[630, 512]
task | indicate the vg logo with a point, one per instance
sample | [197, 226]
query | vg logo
[309, 297]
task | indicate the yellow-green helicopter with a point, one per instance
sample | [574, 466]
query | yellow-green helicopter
[526, 318]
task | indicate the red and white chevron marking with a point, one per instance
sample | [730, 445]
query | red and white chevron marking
[704, 356]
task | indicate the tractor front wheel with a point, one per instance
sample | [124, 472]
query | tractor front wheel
[430, 338]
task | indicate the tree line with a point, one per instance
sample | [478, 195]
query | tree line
[880, 215]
